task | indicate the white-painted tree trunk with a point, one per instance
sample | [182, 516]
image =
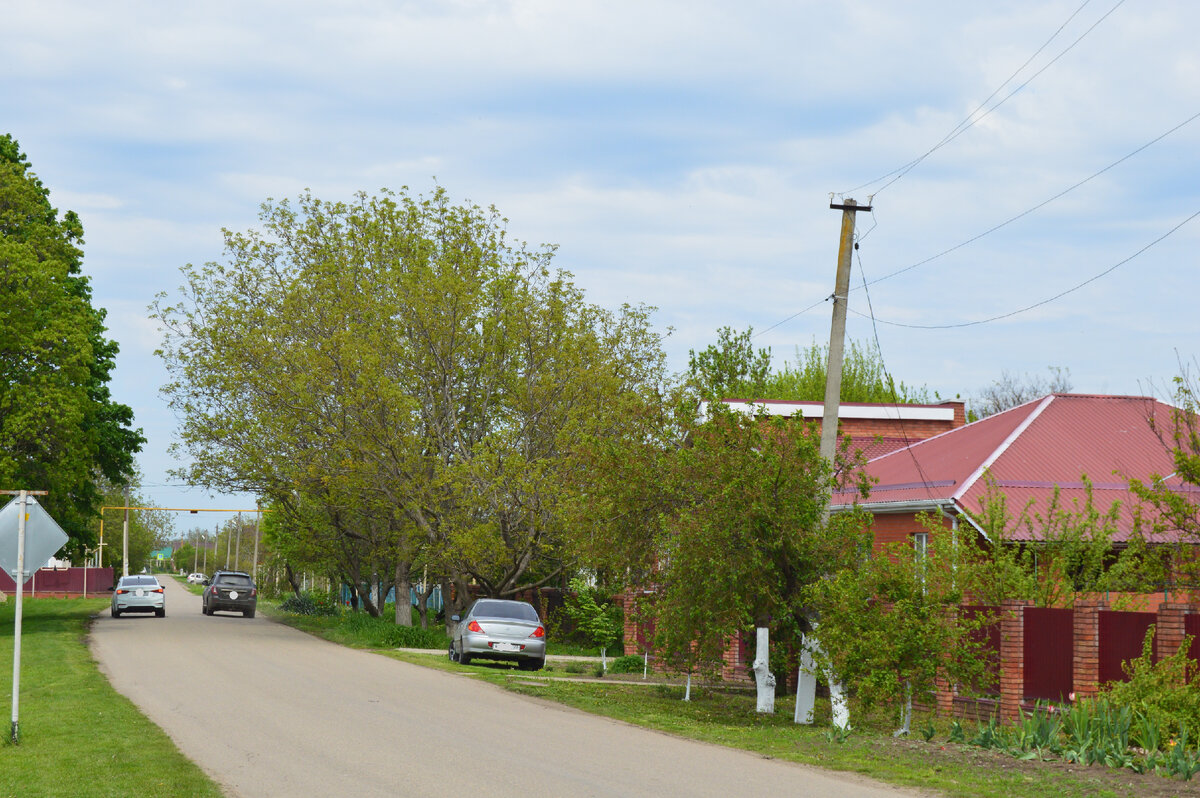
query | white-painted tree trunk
[806, 686]
[806, 682]
[763, 677]
[906, 720]
[603, 660]
[687, 694]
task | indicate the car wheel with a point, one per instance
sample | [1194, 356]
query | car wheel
[161, 613]
[247, 613]
[464, 658]
[208, 610]
[531, 664]
[115, 612]
[451, 654]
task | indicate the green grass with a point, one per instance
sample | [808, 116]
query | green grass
[725, 715]
[79, 738]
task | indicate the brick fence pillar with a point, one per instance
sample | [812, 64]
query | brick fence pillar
[1169, 629]
[943, 688]
[1085, 671]
[1012, 657]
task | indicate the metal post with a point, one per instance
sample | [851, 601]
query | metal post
[16, 688]
[237, 555]
[257, 537]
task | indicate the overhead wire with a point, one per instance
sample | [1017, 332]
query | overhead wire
[996, 227]
[1039, 304]
[971, 119]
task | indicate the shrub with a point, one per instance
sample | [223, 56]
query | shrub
[1162, 691]
[385, 633]
[311, 604]
[630, 663]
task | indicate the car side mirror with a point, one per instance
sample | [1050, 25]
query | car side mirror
[111, 589]
[455, 618]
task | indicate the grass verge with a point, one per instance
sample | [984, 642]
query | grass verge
[79, 738]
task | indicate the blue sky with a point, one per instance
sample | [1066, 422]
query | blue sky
[680, 154]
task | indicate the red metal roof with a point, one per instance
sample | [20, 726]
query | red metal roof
[1027, 451]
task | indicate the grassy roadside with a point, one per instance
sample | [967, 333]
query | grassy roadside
[79, 737]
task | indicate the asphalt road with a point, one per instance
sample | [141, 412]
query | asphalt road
[270, 711]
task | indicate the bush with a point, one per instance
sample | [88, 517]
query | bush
[630, 663]
[311, 604]
[1167, 692]
[385, 633]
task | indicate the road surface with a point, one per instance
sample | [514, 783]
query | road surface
[269, 711]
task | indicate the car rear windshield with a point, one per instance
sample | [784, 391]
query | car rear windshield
[139, 581]
[234, 579]
[517, 610]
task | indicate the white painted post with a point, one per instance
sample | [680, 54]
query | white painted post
[806, 684]
[763, 677]
[16, 688]
[687, 693]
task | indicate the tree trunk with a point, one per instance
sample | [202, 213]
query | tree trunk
[763, 677]
[403, 597]
[806, 682]
[293, 579]
[423, 603]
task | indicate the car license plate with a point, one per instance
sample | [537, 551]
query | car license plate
[505, 647]
[233, 594]
[139, 592]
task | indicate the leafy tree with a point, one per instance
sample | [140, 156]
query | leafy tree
[1049, 556]
[599, 619]
[864, 377]
[402, 383]
[59, 428]
[728, 523]
[1016, 389]
[892, 626]
[732, 369]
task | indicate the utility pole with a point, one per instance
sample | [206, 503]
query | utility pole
[257, 537]
[837, 331]
[228, 548]
[806, 681]
[237, 556]
[125, 538]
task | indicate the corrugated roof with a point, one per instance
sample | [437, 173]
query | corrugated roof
[1028, 450]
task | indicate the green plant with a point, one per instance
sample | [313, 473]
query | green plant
[957, 735]
[927, 731]
[1167, 691]
[630, 663]
[598, 671]
[311, 604]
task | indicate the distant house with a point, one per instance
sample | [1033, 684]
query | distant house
[1026, 452]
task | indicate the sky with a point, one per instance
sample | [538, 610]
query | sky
[681, 155]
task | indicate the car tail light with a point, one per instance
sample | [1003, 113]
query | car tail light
[539, 632]
[122, 590]
[157, 590]
[253, 592]
[474, 626]
[214, 590]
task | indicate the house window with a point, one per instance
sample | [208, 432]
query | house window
[921, 544]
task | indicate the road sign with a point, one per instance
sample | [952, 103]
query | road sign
[43, 537]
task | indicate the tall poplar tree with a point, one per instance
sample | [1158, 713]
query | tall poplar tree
[60, 430]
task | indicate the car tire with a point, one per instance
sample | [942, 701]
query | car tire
[116, 613]
[161, 613]
[247, 613]
[451, 654]
[531, 664]
[208, 610]
[464, 658]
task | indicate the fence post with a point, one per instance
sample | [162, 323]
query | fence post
[1085, 670]
[944, 690]
[1170, 628]
[1012, 657]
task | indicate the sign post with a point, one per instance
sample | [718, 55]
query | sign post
[46, 537]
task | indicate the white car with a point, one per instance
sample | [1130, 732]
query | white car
[138, 593]
[196, 579]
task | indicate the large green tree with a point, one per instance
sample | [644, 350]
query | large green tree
[394, 374]
[60, 430]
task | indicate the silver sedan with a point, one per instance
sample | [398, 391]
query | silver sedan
[509, 631]
[139, 593]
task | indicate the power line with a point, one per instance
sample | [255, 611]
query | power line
[971, 119]
[1046, 301]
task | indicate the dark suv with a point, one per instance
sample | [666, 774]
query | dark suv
[231, 591]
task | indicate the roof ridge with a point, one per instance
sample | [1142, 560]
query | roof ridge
[1003, 447]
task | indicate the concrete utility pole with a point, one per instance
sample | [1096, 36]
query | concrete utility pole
[806, 680]
[837, 331]
[237, 554]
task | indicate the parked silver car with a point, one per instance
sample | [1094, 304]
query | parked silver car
[501, 630]
[140, 593]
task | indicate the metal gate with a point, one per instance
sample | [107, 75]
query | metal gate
[1121, 636]
[1049, 653]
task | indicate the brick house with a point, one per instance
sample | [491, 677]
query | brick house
[874, 429]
